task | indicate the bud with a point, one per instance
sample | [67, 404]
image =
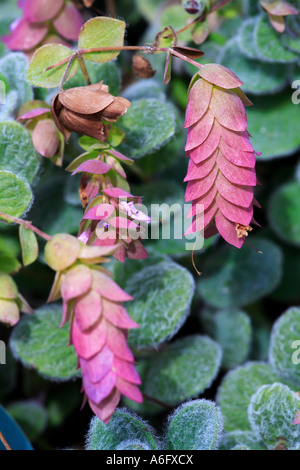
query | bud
[221, 173]
[81, 110]
[193, 7]
[11, 302]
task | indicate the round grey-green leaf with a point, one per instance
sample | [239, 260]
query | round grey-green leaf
[284, 213]
[15, 194]
[31, 417]
[39, 343]
[241, 438]
[148, 125]
[196, 425]
[271, 412]
[162, 299]
[234, 278]
[236, 389]
[17, 151]
[123, 426]
[284, 353]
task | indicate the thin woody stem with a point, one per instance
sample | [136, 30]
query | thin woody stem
[69, 60]
[156, 401]
[189, 25]
[83, 68]
[111, 8]
[220, 5]
[183, 57]
[4, 442]
[26, 224]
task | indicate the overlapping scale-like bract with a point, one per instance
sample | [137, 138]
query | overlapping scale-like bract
[221, 171]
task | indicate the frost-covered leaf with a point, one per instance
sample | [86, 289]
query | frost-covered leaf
[182, 370]
[271, 413]
[284, 353]
[14, 68]
[268, 43]
[257, 77]
[15, 194]
[241, 438]
[31, 417]
[17, 152]
[123, 427]
[232, 330]
[145, 89]
[196, 425]
[148, 125]
[238, 277]
[236, 390]
[101, 32]
[43, 58]
[39, 343]
[272, 136]
[246, 38]
[284, 213]
[29, 245]
[162, 298]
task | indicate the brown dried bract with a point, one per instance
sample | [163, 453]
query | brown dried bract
[242, 230]
[82, 109]
[142, 67]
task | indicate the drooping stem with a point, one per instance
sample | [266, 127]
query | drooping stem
[83, 68]
[4, 442]
[183, 57]
[27, 224]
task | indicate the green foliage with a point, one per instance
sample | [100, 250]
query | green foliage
[29, 244]
[233, 439]
[196, 425]
[15, 196]
[124, 427]
[232, 330]
[31, 417]
[285, 345]
[284, 213]
[14, 69]
[107, 72]
[238, 277]
[148, 125]
[236, 390]
[39, 343]
[271, 413]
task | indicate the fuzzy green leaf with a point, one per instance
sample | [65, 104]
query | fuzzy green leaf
[241, 438]
[29, 245]
[15, 194]
[14, 68]
[31, 417]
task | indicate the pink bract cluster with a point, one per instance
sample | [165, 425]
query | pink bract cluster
[221, 174]
[99, 323]
[37, 24]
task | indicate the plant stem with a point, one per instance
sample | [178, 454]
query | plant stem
[183, 57]
[220, 5]
[83, 68]
[4, 442]
[27, 224]
[70, 60]
[157, 402]
[111, 8]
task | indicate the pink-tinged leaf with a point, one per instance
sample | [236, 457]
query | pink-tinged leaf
[45, 138]
[203, 202]
[106, 407]
[198, 101]
[41, 10]
[238, 157]
[237, 214]
[68, 23]
[84, 100]
[88, 310]
[116, 193]
[87, 344]
[91, 252]
[227, 230]
[168, 69]
[98, 366]
[201, 220]
[56, 287]
[92, 166]
[277, 22]
[279, 8]
[198, 188]
[129, 390]
[228, 109]
[244, 99]
[99, 212]
[220, 76]
[66, 313]
[202, 169]
[236, 174]
[208, 147]
[77, 281]
[239, 195]
[136, 250]
[34, 113]
[116, 341]
[120, 156]
[199, 132]
[92, 188]
[211, 230]
[120, 254]
[25, 36]
[236, 140]
[297, 418]
[256, 203]
[122, 223]
[107, 288]
[116, 314]
[127, 371]
[100, 390]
